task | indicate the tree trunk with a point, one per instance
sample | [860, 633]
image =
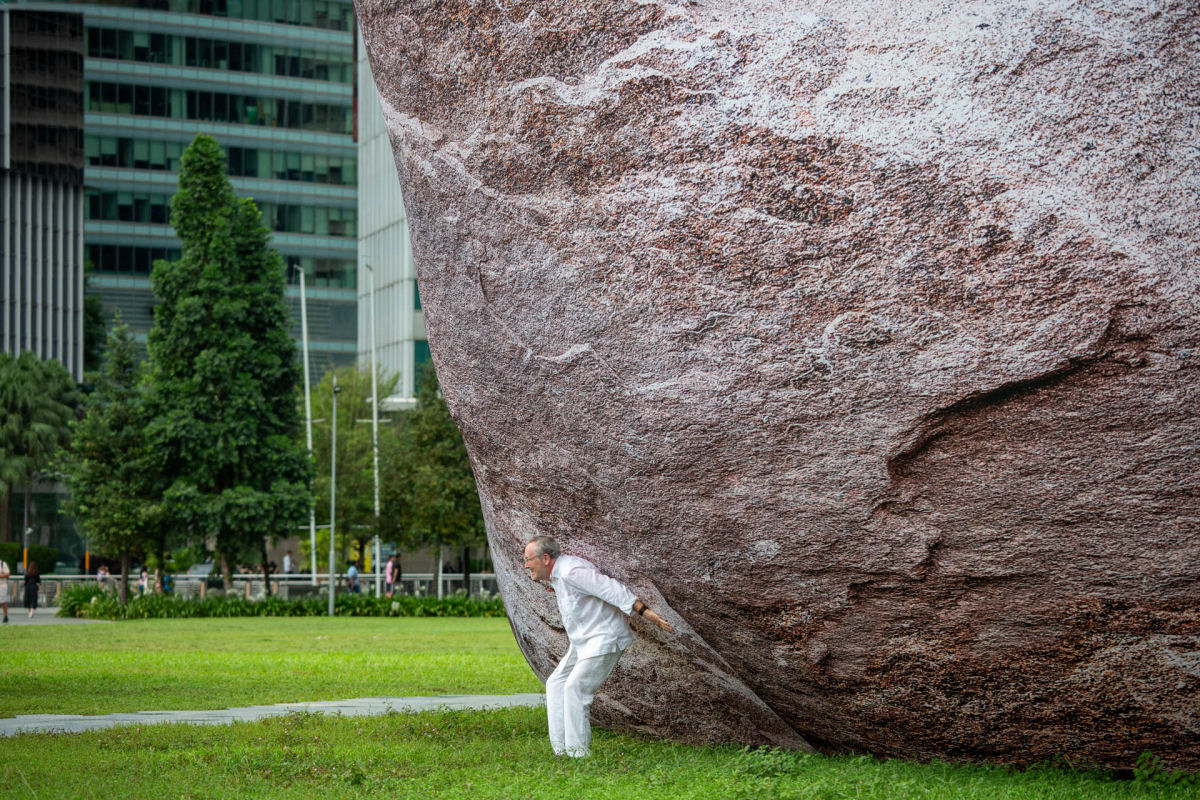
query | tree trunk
[5, 515]
[266, 571]
[439, 572]
[161, 572]
[226, 572]
[124, 576]
[466, 559]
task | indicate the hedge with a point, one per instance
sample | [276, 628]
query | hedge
[46, 557]
[90, 601]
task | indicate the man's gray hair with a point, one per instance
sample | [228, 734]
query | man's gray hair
[545, 546]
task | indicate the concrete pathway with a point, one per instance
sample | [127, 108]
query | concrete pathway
[17, 615]
[358, 707]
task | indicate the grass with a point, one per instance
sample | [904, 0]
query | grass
[176, 664]
[483, 755]
[209, 663]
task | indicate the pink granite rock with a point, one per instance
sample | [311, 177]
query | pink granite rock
[861, 338]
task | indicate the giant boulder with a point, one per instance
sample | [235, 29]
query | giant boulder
[860, 338]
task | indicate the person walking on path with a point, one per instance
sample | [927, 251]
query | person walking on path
[593, 607]
[4, 587]
[391, 576]
[33, 580]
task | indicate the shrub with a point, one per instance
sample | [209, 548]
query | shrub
[90, 601]
[76, 597]
[46, 557]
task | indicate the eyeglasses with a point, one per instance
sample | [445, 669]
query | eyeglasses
[533, 558]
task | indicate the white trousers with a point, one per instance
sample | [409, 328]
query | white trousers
[570, 690]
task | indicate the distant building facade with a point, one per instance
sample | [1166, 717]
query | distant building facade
[42, 185]
[383, 245]
[273, 82]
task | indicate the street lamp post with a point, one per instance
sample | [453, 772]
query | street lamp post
[312, 506]
[332, 493]
[374, 424]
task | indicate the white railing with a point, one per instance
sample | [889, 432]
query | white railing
[250, 586]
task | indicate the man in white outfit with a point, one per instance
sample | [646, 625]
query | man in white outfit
[593, 608]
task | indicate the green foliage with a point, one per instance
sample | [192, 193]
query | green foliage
[37, 403]
[223, 371]
[179, 560]
[75, 598]
[355, 479]
[93, 324]
[464, 755]
[113, 493]
[46, 557]
[434, 491]
[90, 602]
[1149, 771]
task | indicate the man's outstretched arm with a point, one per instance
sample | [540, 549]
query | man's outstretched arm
[640, 608]
[612, 591]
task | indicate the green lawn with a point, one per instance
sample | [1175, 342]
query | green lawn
[218, 663]
[211, 663]
[479, 756]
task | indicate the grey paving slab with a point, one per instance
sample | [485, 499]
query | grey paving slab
[44, 616]
[356, 707]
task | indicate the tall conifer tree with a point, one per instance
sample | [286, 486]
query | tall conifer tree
[223, 372]
[112, 492]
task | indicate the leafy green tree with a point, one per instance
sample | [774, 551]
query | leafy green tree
[223, 372]
[432, 491]
[355, 497]
[37, 403]
[93, 324]
[112, 492]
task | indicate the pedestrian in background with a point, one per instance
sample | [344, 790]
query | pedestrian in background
[390, 574]
[352, 577]
[4, 587]
[33, 580]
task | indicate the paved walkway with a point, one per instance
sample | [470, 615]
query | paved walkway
[358, 707]
[18, 615]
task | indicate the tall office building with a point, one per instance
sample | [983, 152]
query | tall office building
[41, 185]
[41, 219]
[273, 82]
[384, 253]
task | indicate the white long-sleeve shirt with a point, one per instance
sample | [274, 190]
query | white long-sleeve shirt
[593, 607]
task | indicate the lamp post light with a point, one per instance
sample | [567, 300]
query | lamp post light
[312, 506]
[374, 425]
[332, 494]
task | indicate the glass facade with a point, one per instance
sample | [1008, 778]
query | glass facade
[244, 162]
[127, 259]
[208, 53]
[273, 82]
[280, 217]
[328, 14]
[217, 106]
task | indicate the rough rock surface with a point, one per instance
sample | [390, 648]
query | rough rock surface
[862, 338]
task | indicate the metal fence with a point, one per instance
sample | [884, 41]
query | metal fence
[285, 586]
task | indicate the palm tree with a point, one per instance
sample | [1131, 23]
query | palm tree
[37, 404]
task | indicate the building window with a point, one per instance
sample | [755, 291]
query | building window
[119, 98]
